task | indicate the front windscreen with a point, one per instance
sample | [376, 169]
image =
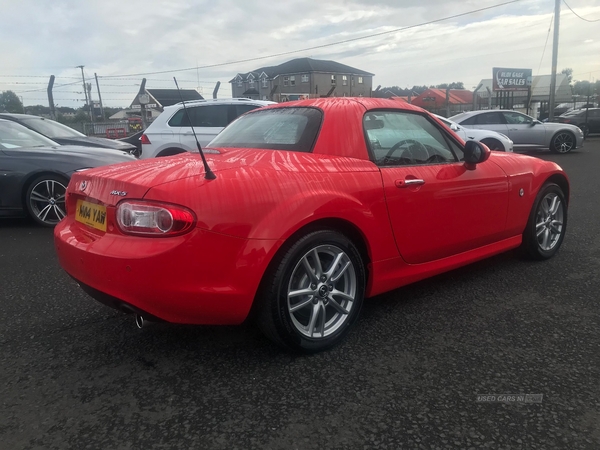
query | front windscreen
[13, 135]
[292, 129]
[52, 129]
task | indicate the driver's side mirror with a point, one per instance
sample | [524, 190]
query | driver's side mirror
[475, 153]
[454, 127]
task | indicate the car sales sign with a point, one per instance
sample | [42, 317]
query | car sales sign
[511, 79]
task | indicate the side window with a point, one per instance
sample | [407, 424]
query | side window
[242, 109]
[516, 118]
[177, 118]
[210, 116]
[401, 138]
[201, 116]
[470, 121]
[236, 111]
[491, 118]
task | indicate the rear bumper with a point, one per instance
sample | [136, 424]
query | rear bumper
[198, 278]
[116, 303]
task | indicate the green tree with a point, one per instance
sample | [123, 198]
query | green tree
[453, 85]
[569, 73]
[417, 90]
[37, 110]
[9, 102]
[585, 87]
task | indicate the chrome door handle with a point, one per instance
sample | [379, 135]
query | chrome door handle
[410, 182]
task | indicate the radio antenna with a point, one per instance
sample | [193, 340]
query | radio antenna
[208, 174]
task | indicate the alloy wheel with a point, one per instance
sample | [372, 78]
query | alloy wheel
[563, 142]
[322, 291]
[47, 201]
[549, 221]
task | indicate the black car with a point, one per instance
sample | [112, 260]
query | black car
[65, 135]
[578, 118]
[35, 171]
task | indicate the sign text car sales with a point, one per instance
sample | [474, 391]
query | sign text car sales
[511, 79]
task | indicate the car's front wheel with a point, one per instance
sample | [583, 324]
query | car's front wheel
[314, 292]
[493, 144]
[562, 142]
[547, 223]
[45, 199]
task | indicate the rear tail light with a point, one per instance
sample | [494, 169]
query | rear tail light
[153, 218]
[144, 139]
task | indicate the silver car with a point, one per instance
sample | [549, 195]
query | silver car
[494, 141]
[525, 131]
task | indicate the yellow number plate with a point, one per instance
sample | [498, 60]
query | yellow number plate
[91, 214]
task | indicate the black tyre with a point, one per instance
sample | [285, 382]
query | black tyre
[547, 223]
[562, 142]
[45, 199]
[313, 294]
[493, 144]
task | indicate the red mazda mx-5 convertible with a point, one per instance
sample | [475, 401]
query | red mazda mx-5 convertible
[306, 209]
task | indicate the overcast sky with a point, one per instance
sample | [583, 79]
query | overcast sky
[120, 38]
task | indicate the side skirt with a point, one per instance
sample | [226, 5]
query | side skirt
[394, 273]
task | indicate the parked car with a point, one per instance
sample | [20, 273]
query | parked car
[308, 208]
[493, 140]
[171, 133]
[587, 120]
[65, 135]
[525, 131]
[572, 106]
[35, 171]
[135, 140]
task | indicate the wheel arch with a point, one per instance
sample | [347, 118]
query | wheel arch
[561, 131]
[347, 228]
[562, 183]
[170, 152]
[343, 226]
[494, 139]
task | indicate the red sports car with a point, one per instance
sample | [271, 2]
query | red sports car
[314, 205]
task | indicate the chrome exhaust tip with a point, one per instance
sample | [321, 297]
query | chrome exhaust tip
[139, 321]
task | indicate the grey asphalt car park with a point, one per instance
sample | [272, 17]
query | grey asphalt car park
[76, 374]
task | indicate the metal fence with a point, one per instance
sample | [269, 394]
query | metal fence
[111, 130]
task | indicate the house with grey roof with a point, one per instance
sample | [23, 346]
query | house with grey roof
[159, 98]
[302, 78]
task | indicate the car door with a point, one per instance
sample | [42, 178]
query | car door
[437, 206]
[524, 130]
[493, 120]
[208, 121]
[9, 182]
[13, 169]
[594, 120]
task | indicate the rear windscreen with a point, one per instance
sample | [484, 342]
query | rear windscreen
[293, 129]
